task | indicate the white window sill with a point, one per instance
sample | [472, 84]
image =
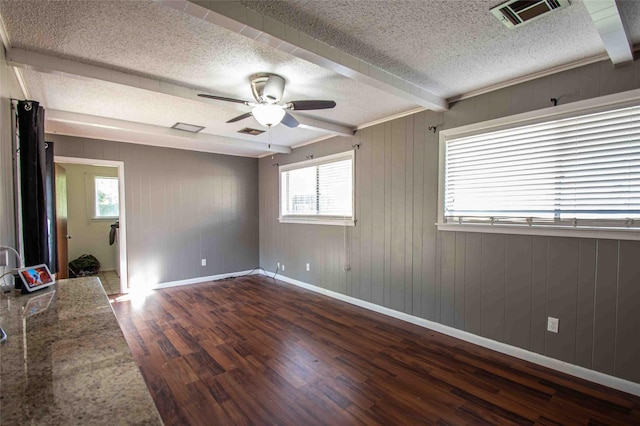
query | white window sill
[110, 218]
[318, 221]
[550, 231]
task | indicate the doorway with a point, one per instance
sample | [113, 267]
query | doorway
[95, 216]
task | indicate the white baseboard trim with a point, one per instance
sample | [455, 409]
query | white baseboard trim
[545, 361]
[198, 280]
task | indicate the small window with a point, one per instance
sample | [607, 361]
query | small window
[318, 191]
[582, 171]
[106, 200]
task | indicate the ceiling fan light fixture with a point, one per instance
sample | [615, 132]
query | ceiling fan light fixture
[268, 115]
[269, 111]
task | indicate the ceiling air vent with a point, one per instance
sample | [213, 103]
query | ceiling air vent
[185, 127]
[250, 131]
[517, 12]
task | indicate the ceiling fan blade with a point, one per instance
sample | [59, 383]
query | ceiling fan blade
[222, 98]
[240, 117]
[306, 105]
[289, 120]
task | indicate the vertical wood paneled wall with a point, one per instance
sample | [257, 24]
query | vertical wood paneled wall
[181, 207]
[502, 287]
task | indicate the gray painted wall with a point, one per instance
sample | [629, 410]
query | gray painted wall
[498, 286]
[181, 206]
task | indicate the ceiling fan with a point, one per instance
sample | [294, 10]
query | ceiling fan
[268, 89]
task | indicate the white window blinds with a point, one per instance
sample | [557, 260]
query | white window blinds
[580, 170]
[320, 188]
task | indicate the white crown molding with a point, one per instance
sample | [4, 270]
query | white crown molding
[391, 117]
[311, 142]
[529, 77]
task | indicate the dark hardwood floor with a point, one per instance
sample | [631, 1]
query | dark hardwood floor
[254, 351]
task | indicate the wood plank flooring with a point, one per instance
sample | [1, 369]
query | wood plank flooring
[254, 351]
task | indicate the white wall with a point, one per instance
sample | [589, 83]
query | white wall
[88, 235]
[9, 88]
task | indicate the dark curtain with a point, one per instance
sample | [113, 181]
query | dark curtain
[36, 221]
[50, 197]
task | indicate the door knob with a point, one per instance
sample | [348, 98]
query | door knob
[68, 237]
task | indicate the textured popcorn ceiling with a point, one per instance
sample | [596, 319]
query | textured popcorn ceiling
[630, 12]
[148, 39]
[140, 37]
[449, 47]
[141, 106]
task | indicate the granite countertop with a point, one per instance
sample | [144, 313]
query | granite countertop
[66, 361]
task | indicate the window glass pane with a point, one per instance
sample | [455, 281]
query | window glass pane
[580, 168]
[324, 189]
[299, 189]
[106, 197]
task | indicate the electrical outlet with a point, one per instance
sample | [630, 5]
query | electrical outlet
[553, 324]
[283, 266]
[204, 262]
[308, 267]
[278, 265]
[4, 257]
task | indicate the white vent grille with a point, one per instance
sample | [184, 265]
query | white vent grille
[250, 131]
[516, 12]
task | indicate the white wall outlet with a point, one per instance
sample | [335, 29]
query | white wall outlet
[308, 267]
[283, 266]
[278, 267]
[204, 262]
[553, 324]
[4, 257]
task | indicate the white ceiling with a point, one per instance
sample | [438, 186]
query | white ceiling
[376, 59]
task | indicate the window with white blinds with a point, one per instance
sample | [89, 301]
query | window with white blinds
[583, 170]
[318, 190]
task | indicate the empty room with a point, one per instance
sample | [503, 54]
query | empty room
[325, 212]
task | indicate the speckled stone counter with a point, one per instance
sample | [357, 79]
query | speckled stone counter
[66, 362]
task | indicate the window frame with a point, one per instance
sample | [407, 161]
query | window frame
[94, 197]
[589, 106]
[324, 219]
